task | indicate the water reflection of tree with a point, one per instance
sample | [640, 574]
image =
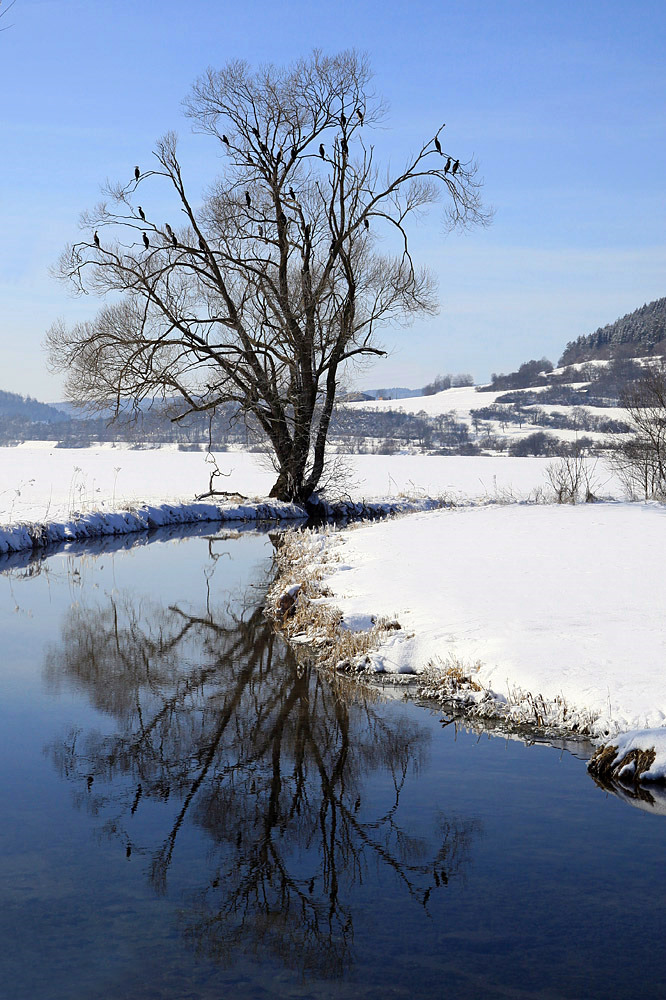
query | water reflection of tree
[265, 754]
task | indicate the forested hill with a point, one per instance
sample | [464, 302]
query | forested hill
[13, 405]
[637, 334]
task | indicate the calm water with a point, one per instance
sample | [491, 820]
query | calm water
[188, 813]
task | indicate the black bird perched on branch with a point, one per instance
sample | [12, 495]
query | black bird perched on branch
[137, 173]
[294, 152]
[278, 158]
[225, 140]
[202, 245]
[169, 230]
[96, 238]
[343, 120]
[174, 240]
[146, 241]
[141, 213]
[292, 193]
[360, 115]
[455, 166]
[366, 223]
[438, 146]
[448, 165]
[248, 200]
[344, 146]
[322, 151]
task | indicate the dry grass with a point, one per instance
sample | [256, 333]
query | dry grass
[608, 768]
[308, 619]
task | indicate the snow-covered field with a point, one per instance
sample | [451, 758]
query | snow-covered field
[554, 612]
[461, 401]
[41, 483]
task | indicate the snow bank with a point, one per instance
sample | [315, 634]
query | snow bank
[548, 614]
[95, 524]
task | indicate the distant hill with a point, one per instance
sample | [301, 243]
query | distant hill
[638, 334]
[13, 405]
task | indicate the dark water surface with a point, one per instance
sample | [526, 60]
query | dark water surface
[188, 813]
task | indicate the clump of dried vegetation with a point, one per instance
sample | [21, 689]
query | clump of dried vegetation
[297, 604]
[608, 768]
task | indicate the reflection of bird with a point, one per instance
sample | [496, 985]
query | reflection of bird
[224, 139]
[96, 238]
[248, 200]
[141, 213]
[448, 165]
[455, 166]
[146, 241]
[322, 151]
[438, 146]
[128, 851]
[137, 173]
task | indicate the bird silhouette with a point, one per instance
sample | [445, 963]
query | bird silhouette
[344, 146]
[292, 193]
[248, 200]
[360, 115]
[366, 223]
[146, 241]
[455, 167]
[96, 238]
[278, 158]
[202, 245]
[261, 231]
[174, 240]
[448, 165]
[169, 230]
[141, 213]
[137, 173]
[225, 140]
[307, 232]
[256, 132]
[438, 146]
[343, 120]
[322, 151]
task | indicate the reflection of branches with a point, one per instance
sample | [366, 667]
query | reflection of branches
[266, 755]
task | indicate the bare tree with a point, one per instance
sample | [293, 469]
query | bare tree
[274, 283]
[641, 461]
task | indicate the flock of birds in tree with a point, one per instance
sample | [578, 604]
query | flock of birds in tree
[450, 166]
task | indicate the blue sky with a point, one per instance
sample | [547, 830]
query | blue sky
[563, 104]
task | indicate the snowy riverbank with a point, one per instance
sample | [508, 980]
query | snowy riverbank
[545, 614]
